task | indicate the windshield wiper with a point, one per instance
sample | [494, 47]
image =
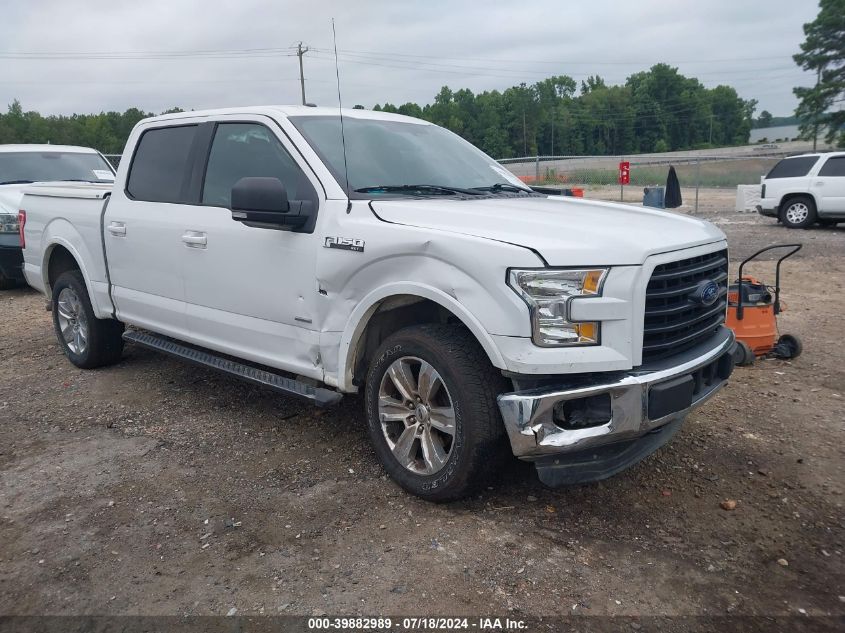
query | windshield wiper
[503, 186]
[413, 188]
[16, 182]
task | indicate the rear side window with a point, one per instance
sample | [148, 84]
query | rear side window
[833, 167]
[793, 167]
[160, 164]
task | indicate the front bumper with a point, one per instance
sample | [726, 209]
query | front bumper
[636, 407]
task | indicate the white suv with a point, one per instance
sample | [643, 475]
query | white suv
[802, 190]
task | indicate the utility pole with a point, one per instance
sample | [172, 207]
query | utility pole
[710, 142]
[816, 113]
[524, 135]
[299, 53]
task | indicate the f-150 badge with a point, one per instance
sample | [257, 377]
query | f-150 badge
[346, 243]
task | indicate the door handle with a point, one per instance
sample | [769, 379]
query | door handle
[117, 229]
[195, 239]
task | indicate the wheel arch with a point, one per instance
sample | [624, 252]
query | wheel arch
[59, 257]
[391, 308]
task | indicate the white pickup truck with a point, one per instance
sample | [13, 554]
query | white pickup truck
[320, 255]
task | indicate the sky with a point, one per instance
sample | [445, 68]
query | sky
[66, 56]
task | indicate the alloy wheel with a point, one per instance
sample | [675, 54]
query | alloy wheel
[797, 212]
[417, 415]
[73, 323]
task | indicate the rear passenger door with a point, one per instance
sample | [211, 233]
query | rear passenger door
[829, 186]
[142, 230]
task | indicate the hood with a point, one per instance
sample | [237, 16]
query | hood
[10, 197]
[565, 231]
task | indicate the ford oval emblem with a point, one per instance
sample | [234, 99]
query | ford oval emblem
[707, 292]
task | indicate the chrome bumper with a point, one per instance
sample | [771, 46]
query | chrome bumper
[529, 415]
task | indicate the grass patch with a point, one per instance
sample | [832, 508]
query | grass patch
[720, 174]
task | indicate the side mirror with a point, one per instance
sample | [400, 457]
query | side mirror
[263, 203]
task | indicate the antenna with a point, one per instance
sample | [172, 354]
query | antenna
[340, 110]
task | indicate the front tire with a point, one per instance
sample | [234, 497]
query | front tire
[799, 213]
[432, 415]
[87, 341]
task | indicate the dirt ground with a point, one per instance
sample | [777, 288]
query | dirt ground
[156, 488]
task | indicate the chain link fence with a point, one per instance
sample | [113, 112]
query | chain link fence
[703, 175]
[114, 159]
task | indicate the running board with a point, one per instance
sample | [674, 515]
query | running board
[287, 386]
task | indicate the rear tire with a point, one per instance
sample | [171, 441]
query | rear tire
[788, 347]
[799, 213]
[431, 407]
[87, 341]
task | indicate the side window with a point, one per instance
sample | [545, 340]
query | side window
[793, 167]
[833, 167]
[240, 150]
[160, 164]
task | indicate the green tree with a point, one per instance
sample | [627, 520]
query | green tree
[823, 51]
[764, 120]
[411, 109]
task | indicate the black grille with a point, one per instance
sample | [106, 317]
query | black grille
[674, 321]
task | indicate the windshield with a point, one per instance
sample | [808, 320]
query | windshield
[398, 157]
[22, 167]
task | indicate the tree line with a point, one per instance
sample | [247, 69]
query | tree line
[655, 110]
[106, 131]
[767, 120]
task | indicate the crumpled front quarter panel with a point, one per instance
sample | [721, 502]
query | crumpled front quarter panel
[464, 273]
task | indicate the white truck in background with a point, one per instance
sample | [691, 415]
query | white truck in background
[321, 256]
[23, 164]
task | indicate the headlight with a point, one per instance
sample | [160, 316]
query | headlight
[548, 293]
[9, 222]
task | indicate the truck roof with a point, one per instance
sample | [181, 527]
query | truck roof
[290, 110]
[45, 147]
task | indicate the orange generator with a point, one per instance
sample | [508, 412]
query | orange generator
[754, 318]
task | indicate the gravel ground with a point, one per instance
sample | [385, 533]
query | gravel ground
[154, 488]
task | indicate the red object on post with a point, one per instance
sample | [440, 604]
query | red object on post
[625, 173]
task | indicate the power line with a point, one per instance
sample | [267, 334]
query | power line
[220, 53]
[627, 62]
[509, 73]
[289, 51]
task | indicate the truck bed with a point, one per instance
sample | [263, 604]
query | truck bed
[68, 215]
